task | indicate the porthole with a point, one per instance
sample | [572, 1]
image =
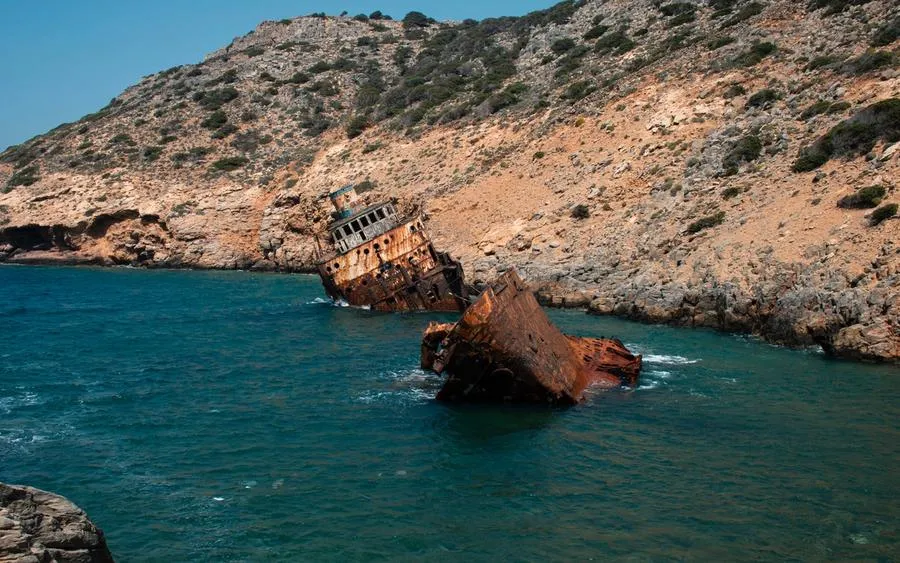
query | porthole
[336, 265]
[377, 247]
[366, 251]
[387, 241]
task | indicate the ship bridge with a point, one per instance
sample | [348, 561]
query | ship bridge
[357, 226]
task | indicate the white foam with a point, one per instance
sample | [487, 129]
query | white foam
[661, 374]
[318, 301]
[648, 385]
[668, 360]
[218, 499]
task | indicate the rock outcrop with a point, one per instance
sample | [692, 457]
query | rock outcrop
[670, 162]
[40, 527]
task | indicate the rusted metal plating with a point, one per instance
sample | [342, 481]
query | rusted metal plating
[505, 349]
[387, 264]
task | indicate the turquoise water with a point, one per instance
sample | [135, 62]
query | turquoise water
[227, 416]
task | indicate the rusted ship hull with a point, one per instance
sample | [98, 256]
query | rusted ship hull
[505, 349]
[397, 271]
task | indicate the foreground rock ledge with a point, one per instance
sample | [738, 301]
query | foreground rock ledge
[41, 527]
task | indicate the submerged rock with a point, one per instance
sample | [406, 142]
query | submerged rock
[38, 527]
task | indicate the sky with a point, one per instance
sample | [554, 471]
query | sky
[63, 59]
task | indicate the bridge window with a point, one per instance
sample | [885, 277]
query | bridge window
[363, 221]
[348, 230]
[380, 212]
[355, 225]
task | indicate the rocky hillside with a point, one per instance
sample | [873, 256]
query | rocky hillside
[727, 163]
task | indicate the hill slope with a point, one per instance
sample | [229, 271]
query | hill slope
[694, 163]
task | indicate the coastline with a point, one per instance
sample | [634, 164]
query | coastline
[783, 320]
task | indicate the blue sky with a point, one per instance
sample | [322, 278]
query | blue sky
[62, 59]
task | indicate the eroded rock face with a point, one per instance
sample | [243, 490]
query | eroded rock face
[40, 527]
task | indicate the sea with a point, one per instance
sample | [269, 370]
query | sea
[233, 416]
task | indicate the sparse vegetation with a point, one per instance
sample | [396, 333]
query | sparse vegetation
[215, 120]
[762, 99]
[214, 99]
[883, 213]
[745, 149]
[579, 90]
[614, 43]
[823, 107]
[863, 198]
[580, 211]
[230, 163]
[562, 45]
[356, 126]
[746, 12]
[887, 33]
[152, 153]
[731, 192]
[754, 55]
[706, 222]
[854, 136]
[869, 61]
[24, 177]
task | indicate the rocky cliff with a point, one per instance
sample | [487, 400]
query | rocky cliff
[728, 163]
[38, 527]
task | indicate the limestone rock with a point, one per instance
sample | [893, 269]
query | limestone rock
[40, 527]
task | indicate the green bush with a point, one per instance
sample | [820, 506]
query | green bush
[835, 6]
[152, 153]
[416, 19]
[562, 45]
[763, 98]
[538, 155]
[325, 88]
[864, 198]
[230, 163]
[822, 107]
[887, 33]
[596, 32]
[297, 78]
[868, 61]
[215, 120]
[254, 51]
[581, 211]
[745, 13]
[884, 212]
[746, 149]
[364, 186]
[706, 222]
[214, 99]
[616, 43]
[509, 96]
[122, 139]
[372, 147]
[817, 108]
[854, 136]
[754, 55]
[24, 177]
[734, 91]
[224, 131]
[719, 42]
[319, 67]
[823, 61]
[731, 192]
[578, 90]
[356, 126]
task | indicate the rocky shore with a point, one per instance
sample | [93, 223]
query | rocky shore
[41, 527]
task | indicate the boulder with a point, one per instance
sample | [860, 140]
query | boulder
[38, 527]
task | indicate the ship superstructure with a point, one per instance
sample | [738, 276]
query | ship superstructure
[386, 261]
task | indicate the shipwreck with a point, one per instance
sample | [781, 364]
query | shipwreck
[377, 258]
[505, 349]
